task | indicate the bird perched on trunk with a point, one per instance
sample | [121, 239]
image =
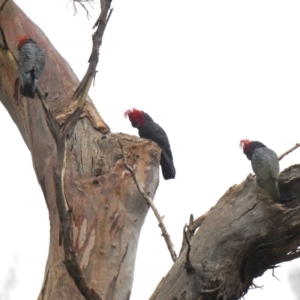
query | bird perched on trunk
[31, 64]
[148, 129]
[265, 165]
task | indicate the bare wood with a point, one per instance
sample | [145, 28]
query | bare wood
[288, 151]
[243, 235]
[149, 201]
[198, 222]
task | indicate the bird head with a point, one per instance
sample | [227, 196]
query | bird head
[246, 145]
[22, 40]
[136, 117]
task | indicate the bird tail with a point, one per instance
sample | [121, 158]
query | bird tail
[27, 91]
[167, 166]
[273, 190]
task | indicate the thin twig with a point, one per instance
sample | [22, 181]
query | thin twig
[288, 151]
[151, 204]
[86, 10]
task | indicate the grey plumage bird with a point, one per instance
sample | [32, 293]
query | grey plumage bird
[31, 65]
[265, 165]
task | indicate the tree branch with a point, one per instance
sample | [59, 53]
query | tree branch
[83, 6]
[243, 235]
[80, 95]
[85, 83]
[151, 204]
[288, 151]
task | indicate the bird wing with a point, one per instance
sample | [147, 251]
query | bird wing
[154, 132]
[31, 58]
[265, 163]
[27, 58]
[39, 62]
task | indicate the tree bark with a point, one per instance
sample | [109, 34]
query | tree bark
[242, 236]
[105, 209]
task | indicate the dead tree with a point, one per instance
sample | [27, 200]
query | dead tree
[95, 184]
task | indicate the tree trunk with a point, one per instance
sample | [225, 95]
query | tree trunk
[105, 207]
[96, 211]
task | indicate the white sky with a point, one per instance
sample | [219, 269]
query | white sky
[209, 72]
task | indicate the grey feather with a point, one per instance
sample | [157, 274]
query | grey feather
[31, 65]
[265, 165]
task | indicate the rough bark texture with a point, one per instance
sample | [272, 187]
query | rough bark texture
[106, 209]
[243, 235]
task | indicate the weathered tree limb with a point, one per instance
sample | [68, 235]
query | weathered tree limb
[80, 95]
[85, 83]
[150, 202]
[242, 236]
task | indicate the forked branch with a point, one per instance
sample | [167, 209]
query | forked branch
[80, 95]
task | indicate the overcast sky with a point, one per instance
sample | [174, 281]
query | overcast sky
[210, 73]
